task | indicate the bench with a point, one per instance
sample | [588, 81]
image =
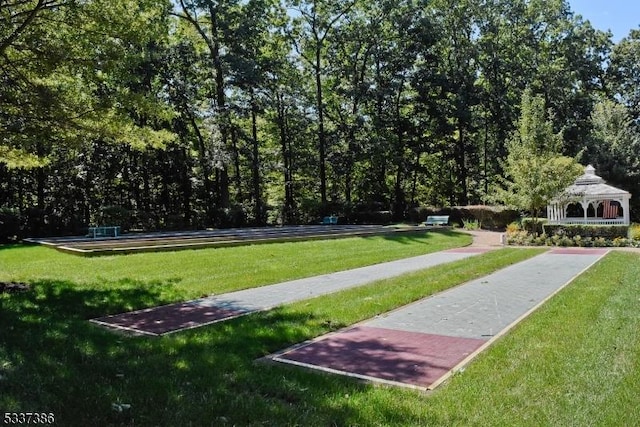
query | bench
[104, 231]
[329, 220]
[437, 220]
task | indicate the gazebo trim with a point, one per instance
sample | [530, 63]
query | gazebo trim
[589, 190]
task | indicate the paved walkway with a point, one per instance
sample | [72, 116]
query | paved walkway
[421, 344]
[176, 317]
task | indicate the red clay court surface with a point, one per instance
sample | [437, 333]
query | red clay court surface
[393, 356]
[169, 318]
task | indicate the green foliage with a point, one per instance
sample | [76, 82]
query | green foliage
[533, 225]
[535, 171]
[10, 224]
[572, 235]
[624, 71]
[471, 224]
[487, 217]
[609, 232]
[187, 113]
[613, 146]
[114, 216]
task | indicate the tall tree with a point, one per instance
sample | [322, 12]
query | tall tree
[624, 72]
[213, 21]
[614, 145]
[316, 21]
[535, 170]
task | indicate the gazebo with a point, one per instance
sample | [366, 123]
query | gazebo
[590, 201]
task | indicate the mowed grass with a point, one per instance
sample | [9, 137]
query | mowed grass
[192, 273]
[573, 362]
[576, 361]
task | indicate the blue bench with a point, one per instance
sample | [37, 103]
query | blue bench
[104, 231]
[437, 220]
[329, 220]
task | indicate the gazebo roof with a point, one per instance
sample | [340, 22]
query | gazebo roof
[591, 185]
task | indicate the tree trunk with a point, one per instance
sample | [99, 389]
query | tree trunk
[223, 181]
[322, 144]
[255, 162]
[287, 211]
[206, 169]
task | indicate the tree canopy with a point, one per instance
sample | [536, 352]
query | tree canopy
[535, 171]
[198, 113]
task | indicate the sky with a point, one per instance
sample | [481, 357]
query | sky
[619, 16]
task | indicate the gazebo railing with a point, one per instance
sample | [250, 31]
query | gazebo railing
[588, 221]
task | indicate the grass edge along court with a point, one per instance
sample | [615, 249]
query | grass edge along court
[184, 275]
[52, 359]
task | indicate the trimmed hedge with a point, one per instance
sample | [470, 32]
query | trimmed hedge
[489, 217]
[610, 232]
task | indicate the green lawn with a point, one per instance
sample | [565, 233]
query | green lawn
[190, 274]
[573, 362]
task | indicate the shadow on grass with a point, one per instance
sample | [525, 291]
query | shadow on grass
[415, 236]
[7, 246]
[53, 360]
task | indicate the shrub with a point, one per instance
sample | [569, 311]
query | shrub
[534, 225]
[472, 224]
[10, 224]
[513, 228]
[419, 214]
[487, 217]
[567, 236]
[634, 232]
[370, 217]
[608, 232]
[114, 215]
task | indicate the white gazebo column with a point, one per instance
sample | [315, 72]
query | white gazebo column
[625, 211]
[585, 208]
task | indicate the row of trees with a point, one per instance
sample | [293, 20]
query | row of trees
[198, 113]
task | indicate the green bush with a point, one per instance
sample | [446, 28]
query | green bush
[487, 217]
[10, 224]
[113, 215]
[419, 214]
[574, 235]
[608, 232]
[471, 224]
[534, 225]
[369, 217]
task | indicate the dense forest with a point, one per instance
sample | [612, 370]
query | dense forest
[203, 113]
